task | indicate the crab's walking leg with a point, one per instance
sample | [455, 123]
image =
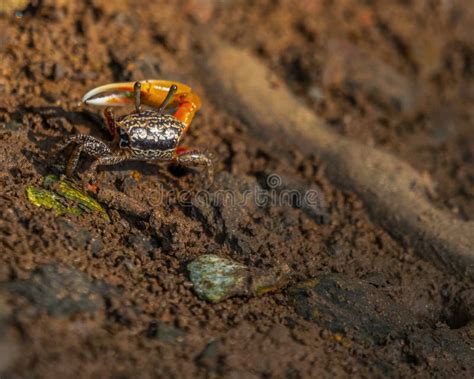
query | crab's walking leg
[73, 160]
[153, 93]
[106, 160]
[83, 143]
[189, 157]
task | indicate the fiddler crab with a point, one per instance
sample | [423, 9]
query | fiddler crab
[143, 135]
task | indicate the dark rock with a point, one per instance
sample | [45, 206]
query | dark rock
[60, 291]
[350, 307]
[439, 349]
[358, 310]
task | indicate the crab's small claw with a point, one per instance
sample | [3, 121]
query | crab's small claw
[152, 93]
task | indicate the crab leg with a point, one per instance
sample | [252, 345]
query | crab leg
[152, 93]
[191, 157]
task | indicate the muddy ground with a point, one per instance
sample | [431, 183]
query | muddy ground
[84, 297]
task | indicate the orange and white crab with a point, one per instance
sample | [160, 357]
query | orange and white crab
[146, 135]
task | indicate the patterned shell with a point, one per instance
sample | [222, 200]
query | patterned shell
[150, 133]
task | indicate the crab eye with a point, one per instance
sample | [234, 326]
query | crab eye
[124, 139]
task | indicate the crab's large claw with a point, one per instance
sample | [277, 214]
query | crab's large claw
[152, 93]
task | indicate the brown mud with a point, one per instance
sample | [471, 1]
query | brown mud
[81, 296]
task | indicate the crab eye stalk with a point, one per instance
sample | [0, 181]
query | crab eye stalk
[136, 89]
[168, 97]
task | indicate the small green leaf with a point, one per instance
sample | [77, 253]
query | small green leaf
[44, 198]
[58, 192]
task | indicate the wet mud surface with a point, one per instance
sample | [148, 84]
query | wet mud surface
[82, 295]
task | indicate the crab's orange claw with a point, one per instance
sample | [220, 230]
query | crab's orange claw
[152, 93]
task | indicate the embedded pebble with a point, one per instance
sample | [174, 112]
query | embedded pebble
[216, 279]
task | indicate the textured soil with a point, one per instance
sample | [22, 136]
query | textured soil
[83, 297]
